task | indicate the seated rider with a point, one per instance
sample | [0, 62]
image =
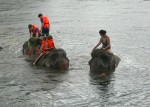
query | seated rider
[105, 40]
[43, 50]
[50, 43]
[32, 43]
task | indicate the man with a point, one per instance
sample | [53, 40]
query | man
[45, 25]
[33, 41]
[50, 43]
[34, 31]
[46, 47]
[43, 50]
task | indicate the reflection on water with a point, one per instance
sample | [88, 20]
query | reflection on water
[75, 25]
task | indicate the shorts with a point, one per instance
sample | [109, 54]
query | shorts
[45, 31]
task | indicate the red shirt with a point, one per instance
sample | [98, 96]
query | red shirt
[50, 43]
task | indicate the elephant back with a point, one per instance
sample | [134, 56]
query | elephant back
[101, 53]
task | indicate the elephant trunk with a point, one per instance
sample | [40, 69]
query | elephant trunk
[64, 65]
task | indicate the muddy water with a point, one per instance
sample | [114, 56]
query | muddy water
[75, 25]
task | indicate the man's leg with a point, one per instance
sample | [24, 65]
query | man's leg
[37, 59]
[47, 32]
[30, 52]
[43, 32]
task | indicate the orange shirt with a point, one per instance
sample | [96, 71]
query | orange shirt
[35, 29]
[50, 43]
[44, 46]
[45, 22]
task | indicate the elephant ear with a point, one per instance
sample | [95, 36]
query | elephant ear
[117, 60]
[25, 47]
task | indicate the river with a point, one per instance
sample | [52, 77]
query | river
[75, 25]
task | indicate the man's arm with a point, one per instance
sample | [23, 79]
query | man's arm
[98, 44]
[30, 34]
[37, 32]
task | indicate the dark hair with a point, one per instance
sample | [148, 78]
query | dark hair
[102, 32]
[29, 26]
[44, 38]
[40, 15]
[50, 37]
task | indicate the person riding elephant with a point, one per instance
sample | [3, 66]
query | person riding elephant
[105, 40]
[43, 50]
[33, 41]
[103, 60]
[50, 43]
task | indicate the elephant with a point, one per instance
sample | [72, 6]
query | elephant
[55, 59]
[1, 48]
[102, 62]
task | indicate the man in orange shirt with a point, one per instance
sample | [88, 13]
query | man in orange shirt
[33, 41]
[50, 43]
[43, 50]
[45, 25]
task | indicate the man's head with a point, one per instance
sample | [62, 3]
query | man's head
[40, 15]
[50, 37]
[30, 26]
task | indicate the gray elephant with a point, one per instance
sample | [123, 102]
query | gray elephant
[1, 48]
[103, 62]
[55, 59]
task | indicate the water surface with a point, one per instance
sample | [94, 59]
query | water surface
[75, 25]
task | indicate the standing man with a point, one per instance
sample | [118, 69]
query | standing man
[45, 25]
[34, 30]
[33, 41]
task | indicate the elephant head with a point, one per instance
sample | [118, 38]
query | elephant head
[56, 59]
[103, 62]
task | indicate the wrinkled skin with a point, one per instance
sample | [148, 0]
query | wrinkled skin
[103, 62]
[55, 59]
